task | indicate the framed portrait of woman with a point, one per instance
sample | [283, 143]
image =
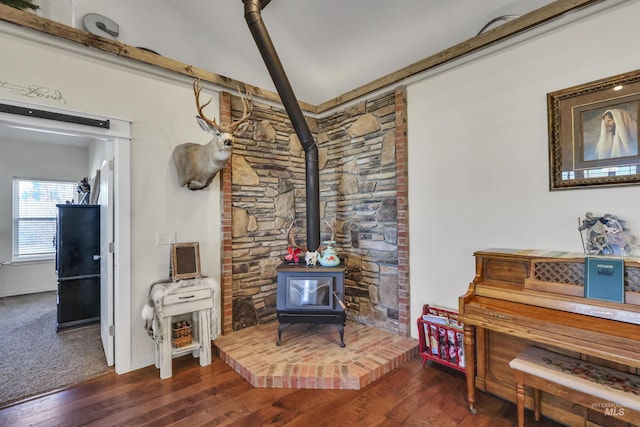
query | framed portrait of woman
[593, 133]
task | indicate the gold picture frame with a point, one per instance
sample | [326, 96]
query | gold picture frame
[584, 151]
[185, 261]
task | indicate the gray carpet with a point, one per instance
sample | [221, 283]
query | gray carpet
[34, 358]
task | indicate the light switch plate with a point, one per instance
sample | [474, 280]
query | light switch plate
[165, 237]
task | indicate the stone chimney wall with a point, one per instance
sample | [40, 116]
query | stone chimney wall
[358, 190]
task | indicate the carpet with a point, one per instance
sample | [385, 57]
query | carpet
[34, 359]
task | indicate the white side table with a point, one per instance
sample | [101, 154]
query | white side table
[197, 300]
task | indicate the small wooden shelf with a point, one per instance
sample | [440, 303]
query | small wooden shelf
[179, 351]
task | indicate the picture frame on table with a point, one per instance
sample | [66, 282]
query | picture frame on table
[185, 261]
[593, 133]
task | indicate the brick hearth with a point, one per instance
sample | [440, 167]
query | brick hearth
[310, 355]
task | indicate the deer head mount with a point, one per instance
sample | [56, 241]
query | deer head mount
[198, 164]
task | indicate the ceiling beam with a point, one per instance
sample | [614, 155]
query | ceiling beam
[510, 29]
[35, 22]
[507, 30]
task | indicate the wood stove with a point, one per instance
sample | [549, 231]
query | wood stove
[310, 295]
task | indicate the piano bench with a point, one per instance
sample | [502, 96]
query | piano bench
[578, 381]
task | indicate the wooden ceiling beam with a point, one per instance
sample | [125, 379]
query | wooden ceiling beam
[510, 29]
[507, 30]
[35, 22]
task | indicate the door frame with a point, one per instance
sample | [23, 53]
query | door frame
[119, 134]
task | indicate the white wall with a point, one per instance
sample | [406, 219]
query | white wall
[27, 159]
[478, 153]
[161, 109]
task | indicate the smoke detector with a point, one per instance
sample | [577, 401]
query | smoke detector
[101, 26]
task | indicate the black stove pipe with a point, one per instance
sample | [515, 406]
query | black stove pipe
[252, 14]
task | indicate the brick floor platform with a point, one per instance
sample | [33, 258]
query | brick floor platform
[310, 356]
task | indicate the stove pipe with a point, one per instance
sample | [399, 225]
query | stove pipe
[252, 14]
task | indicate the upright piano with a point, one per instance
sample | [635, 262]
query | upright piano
[523, 297]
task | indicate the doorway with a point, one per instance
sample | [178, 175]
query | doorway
[110, 146]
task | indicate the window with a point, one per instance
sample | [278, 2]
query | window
[34, 216]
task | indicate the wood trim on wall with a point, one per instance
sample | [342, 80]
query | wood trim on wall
[402, 209]
[226, 252]
[507, 30]
[512, 28]
[35, 22]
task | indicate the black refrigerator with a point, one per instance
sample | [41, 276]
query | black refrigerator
[78, 265]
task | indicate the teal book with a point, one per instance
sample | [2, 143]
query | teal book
[604, 279]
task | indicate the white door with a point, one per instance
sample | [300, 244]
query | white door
[105, 199]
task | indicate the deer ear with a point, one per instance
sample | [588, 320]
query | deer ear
[206, 126]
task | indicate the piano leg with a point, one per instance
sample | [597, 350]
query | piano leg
[470, 362]
[520, 397]
[536, 404]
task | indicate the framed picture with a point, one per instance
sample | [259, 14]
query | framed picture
[593, 133]
[185, 260]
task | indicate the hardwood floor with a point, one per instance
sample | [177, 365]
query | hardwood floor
[411, 395]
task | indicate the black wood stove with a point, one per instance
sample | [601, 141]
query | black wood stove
[310, 295]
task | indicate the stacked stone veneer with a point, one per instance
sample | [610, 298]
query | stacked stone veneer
[358, 189]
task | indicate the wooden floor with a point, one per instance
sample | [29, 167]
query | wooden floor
[411, 395]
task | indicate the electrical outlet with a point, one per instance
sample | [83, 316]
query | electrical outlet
[165, 237]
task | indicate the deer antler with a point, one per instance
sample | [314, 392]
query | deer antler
[197, 87]
[247, 109]
[292, 240]
[332, 226]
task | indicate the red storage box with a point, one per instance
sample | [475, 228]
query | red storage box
[441, 337]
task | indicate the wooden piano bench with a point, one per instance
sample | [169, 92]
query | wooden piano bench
[613, 392]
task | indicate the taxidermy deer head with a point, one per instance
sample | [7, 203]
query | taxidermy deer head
[198, 164]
